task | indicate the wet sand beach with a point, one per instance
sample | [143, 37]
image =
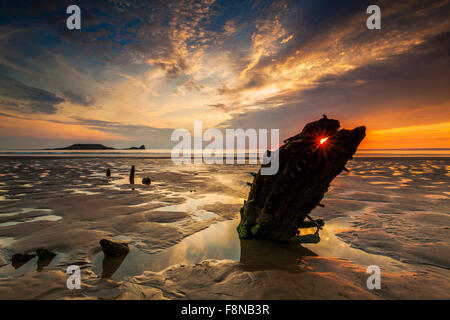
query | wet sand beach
[181, 231]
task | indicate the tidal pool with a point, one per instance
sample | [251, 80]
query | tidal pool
[34, 264]
[220, 241]
[50, 217]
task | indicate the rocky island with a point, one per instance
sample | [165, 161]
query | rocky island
[95, 146]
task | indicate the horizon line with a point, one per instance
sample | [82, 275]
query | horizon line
[370, 149]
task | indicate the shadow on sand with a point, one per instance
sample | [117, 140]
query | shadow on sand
[111, 265]
[269, 255]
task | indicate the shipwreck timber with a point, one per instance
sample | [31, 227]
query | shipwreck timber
[278, 204]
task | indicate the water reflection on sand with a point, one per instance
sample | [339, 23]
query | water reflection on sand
[220, 241]
[191, 206]
[50, 217]
[34, 264]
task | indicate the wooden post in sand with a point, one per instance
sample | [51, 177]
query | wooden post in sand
[132, 175]
[108, 173]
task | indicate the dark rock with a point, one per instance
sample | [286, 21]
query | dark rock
[114, 249]
[19, 259]
[45, 258]
[146, 181]
[278, 204]
[108, 173]
[45, 254]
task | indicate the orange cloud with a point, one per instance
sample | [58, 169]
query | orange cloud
[421, 136]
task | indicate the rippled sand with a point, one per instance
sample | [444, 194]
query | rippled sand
[393, 213]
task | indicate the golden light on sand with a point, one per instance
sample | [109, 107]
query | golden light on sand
[322, 141]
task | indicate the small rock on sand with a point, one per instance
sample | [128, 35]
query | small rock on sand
[113, 249]
[45, 254]
[20, 257]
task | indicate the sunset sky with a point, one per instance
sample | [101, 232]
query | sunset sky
[138, 70]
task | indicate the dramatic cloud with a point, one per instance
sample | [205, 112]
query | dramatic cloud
[137, 69]
[390, 93]
[25, 99]
[78, 98]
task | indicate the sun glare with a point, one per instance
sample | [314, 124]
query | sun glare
[322, 141]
